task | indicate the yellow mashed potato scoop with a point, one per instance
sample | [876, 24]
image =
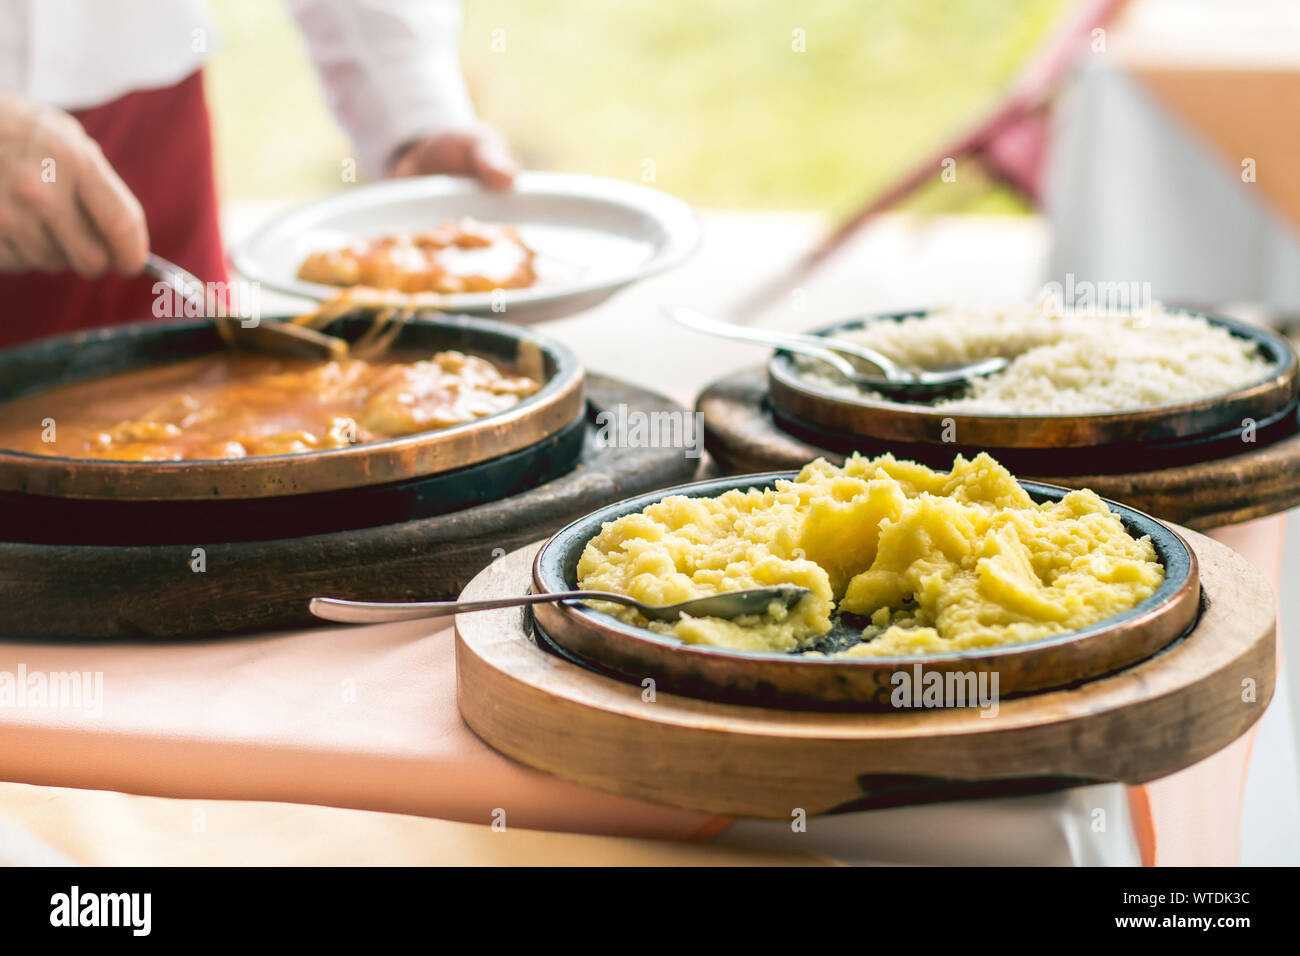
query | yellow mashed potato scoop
[924, 561]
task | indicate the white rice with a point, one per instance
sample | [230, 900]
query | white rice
[1063, 362]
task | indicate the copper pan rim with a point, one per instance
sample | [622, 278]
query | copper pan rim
[560, 400]
[604, 643]
[793, 395]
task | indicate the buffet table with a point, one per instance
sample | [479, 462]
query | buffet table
[258, 738]
[366, 718]
[101, 828]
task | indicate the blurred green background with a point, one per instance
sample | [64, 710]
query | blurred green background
[711, 91]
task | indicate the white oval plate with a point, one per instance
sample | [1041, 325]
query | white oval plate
[592, 235]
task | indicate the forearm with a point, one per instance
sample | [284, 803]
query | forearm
[390, 68]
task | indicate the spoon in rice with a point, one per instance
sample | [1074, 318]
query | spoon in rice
[728, 605]
[895, 381]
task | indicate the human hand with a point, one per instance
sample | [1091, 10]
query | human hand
[62, 206]
[480, 152]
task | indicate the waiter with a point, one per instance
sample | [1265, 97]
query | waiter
[106, 148]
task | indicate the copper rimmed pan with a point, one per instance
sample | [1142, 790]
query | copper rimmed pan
[604, 643]
[85, 355]
[803, 402]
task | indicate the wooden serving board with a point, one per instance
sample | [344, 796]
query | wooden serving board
[743, 438]
[1140, 724]
[77, 592]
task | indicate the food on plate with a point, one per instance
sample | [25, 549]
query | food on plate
[923, 561]
[1063, 361]
[237, 405]
[456, 257]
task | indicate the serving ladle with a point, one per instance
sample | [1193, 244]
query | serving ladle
[894, 380]
[269, 337]
[729, 604]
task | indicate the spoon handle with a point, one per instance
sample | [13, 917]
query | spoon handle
[375, 612]
[272, 338]
[782, 340]
[810, 345]
[189, 286]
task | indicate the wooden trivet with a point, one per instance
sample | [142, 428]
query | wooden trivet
[743, 438]
[75, 592]
[1140, 724]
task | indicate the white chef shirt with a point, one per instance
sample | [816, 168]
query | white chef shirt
[390, 67]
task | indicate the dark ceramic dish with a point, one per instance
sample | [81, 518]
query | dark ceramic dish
[1093, 443]
[603, 642]
[115, 349]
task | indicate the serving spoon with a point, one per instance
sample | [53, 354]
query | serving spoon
[894, 380]
[268, 337]
[730, 604]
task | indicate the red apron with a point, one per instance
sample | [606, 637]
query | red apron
[160, 143]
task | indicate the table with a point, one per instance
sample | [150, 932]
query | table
[104, 828]
[361, 719]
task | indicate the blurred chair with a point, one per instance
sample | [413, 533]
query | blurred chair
[1008, 141]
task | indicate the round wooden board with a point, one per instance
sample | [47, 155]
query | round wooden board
[98, 592]
[1143, 723]
[742, 438]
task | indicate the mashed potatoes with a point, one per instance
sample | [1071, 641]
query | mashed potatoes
[1063, 362]
[935, 561]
